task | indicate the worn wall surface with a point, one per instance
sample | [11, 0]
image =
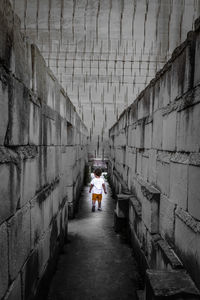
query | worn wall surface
[154, 151]
[42, 160]
[104, 52]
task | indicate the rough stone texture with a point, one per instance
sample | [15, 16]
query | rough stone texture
[188, 135]
[105, 53]
[166, 218]
[169, 132]
[30, 178]
[188, 247]
[38, 122]
[152, 166]
[163, 177]
[178, 184]
[3, 260]
[167, 158]
[166, 258]
[170, 283]
[194, 192]
[34, 125]
[15, 290]
[150, 204]
[19, 240]
[157, 130]
[18, 115]
[9, 190]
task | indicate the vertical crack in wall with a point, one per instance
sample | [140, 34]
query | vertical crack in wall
[121, 19]
[109, 19]
[37, 18]
[145, 24]
[49, 31]
[61, 20]
[97, 21]
[25, 15]
[157, 19]
[181, 20]
[168, 25]
[73, 17]
[133, 18]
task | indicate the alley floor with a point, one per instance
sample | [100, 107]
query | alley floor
[97, 263]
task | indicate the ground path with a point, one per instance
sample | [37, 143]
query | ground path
[96, 263]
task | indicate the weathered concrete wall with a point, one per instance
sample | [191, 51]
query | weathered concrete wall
[42, 160]
[154, 148]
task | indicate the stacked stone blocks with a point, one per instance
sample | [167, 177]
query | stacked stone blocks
[42, 161]
[155, 146]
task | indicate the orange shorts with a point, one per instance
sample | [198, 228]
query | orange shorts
[97, 197]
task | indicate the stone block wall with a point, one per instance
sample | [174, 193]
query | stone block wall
[155, 149]
[42, 160]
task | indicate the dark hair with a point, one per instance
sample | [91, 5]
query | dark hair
[98, 172]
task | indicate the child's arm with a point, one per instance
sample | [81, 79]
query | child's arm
[91, 186]
[104, 188]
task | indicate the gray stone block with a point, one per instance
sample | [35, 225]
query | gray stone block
[145, 167]
[139, 135]
[163, 179]
[188, 133]
[148, 135]
[30, 179]
[63, 133]
[37, 221]
[56, 198]
[9, 190]
[169, 131]
[15, 290]
[18, 133]
[179, 184]
[167, 218]
[168, 284]
[166, 258]
[4, 279]
[157, 130]
[181, 73]
[6, 33]
[39, 75]
[165, 88]
[188, 247]
[122, 205]
[194, 192]
[21, 55]
[29, 274]
[144, 106]
[19, 240]
[50, 166]
[35, 125]
[150, 207]
[152, 166]
[44, 252]
[139, 163]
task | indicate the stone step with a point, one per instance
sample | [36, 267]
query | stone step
[170, 285]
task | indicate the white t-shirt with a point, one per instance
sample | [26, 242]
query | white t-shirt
[97, 188]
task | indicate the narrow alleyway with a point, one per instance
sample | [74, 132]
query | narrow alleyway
[96, 263]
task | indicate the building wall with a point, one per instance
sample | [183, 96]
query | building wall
[154, 148]
[42, 159]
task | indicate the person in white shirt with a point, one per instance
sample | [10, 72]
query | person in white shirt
[97, 186]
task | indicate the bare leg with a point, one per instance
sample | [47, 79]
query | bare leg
[93, 205]
[99, 205]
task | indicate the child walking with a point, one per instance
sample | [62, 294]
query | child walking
[97, 186]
